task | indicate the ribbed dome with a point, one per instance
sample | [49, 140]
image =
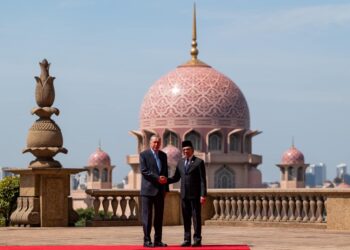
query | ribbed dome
[293, 156]
[99, 158]
[194, 96]
[173, 154]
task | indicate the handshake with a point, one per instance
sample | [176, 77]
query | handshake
[162, 179]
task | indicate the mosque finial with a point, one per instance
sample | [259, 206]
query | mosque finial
[292, 141]
[99, 144]
[194, 50]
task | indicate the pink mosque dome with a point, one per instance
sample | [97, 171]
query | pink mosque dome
[195, 96]
[173, 153]
[292, 156]
[99, 158]
[343, 185]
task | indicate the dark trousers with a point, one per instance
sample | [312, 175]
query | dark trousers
[150, 203]
[191, 210]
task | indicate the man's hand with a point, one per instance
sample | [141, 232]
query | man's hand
[203, 199]
[162, 179]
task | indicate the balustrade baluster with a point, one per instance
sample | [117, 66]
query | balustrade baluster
[284, 209]
[239, 208]
[264, 206]
[320, 207]
[312, 209]
[305, 209]
[123, 203]
[105, 205]
[278, 208]
[251, 208]
[258, 208]
[246, 208]
[132, 205]
[114, 204]
[298, 207]
[222, 208]
[216, 208]
[271, 208]
[233, 208]
[227, 208]
[96, 204]
[291, 208]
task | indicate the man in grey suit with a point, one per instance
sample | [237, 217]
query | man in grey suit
[191, 170]
[154, 171]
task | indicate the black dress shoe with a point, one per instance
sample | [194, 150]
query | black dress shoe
[186, 244]
[148, 244]
[160, 244]
[197, 243]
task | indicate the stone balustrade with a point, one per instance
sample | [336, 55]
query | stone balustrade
[118, 207]
[305, 207]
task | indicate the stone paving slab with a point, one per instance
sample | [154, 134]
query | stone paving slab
[258, 238]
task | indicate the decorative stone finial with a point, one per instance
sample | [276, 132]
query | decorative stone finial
[45, 139]
[44, 91]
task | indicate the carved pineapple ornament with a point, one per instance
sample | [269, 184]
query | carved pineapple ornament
[44, 138]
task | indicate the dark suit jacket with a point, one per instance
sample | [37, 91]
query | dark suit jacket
[193, 182]
[150, 173]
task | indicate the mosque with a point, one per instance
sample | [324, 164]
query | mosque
[198, 103]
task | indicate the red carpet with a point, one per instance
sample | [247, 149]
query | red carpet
[82, 247]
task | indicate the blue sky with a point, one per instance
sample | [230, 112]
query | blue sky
[289, 58]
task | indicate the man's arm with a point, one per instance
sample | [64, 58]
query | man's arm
[176, 177]
[203, 178]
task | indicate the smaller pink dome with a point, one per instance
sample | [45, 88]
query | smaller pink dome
[98, 158]
[255, 178]
[173, 153]
[343, 185]
[293, 156]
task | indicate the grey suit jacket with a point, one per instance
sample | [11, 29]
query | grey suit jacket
[150, 173]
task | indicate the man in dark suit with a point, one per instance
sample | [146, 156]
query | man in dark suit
[154, 171]
[191, 170]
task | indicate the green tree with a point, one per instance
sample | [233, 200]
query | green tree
[9, 191]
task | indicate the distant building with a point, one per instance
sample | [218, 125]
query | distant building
[341, 170]
[315, 175]
[342, 173]
[4, 172]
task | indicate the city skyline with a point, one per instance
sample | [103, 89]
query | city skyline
[289, 59]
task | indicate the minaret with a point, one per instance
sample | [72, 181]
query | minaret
[292, 168]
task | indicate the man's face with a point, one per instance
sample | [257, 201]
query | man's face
[155, 143]
[187, 152]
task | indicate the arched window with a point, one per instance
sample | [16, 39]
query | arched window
[195, 138]
[104, 175]
[224, 178]
[300, 176]
[170, 138]
[215, 142]
[234, 142]
[291, 173]
[95, 174]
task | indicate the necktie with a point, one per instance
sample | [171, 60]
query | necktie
[159, 164]
[187, 164]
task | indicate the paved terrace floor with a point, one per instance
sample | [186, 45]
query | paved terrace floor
[258, 238]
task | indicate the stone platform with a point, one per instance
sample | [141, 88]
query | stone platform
[256, 237]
